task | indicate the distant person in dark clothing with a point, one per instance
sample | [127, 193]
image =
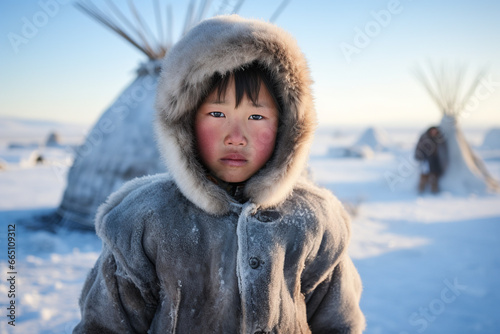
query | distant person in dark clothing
[431, 152]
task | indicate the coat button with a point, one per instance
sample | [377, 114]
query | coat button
[254, 262]
[267, 216]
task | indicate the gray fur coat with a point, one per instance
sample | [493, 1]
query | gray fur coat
[181, 256]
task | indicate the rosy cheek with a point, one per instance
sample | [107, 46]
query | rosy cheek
[265, 140]
[207, 140]
[266, 136]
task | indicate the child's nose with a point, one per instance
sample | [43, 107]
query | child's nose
[235, 136]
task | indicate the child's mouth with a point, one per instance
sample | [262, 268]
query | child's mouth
[234, 160]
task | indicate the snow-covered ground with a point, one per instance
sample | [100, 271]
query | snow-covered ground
[429, 263]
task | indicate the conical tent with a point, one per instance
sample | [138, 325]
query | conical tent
[121, 145]
[491, 140]
[465, 172]
[375, 138]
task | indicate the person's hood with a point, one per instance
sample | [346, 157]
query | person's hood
[223, 44]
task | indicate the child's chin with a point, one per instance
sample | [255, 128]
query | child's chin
[233, 178]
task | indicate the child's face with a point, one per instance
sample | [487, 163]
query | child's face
[234, 143]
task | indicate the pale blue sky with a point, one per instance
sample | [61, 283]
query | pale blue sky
[72, 68]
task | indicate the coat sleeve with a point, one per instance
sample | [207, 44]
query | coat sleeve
[111, 302]
[121, 292]
[331, 283]
[333, 307]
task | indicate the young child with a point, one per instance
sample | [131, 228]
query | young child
[236, 238]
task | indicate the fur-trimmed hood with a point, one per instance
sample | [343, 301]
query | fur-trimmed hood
[223, 44]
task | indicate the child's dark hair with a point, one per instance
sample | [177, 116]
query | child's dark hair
[247, 81]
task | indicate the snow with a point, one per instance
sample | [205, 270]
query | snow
[429, 263]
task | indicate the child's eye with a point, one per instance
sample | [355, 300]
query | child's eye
[217, 114]
[255, 117]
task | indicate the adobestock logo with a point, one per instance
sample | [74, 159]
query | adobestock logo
[428, 314]
[31, 26]
[363, 37]
[484, 90]
[227, 6]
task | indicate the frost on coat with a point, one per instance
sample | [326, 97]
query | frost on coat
[181, 256]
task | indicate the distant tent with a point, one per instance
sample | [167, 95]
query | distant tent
[465, 171]
[491, 140]
[53, 140]
[375, 138]
[121, 145]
